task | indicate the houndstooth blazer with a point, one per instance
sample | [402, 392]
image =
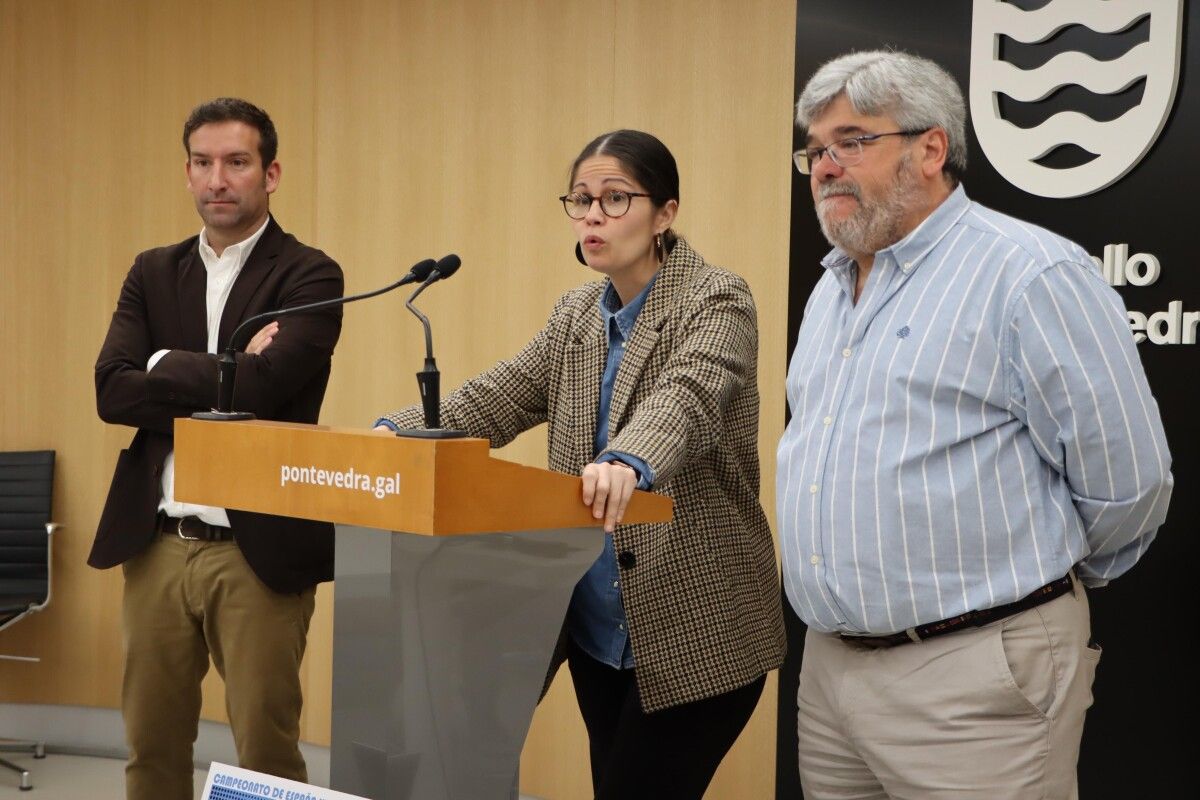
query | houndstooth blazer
[701, 592]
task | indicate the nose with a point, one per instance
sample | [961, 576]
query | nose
[595, 214]
[216, 176]
[826, 169]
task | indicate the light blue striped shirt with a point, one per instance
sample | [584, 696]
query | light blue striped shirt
[975, 425]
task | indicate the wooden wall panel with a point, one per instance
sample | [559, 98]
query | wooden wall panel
[94, 98]
[408, 129]
[468, 114]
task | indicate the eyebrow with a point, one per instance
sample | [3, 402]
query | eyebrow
[236, 154]
[841, 132]
[606, 181]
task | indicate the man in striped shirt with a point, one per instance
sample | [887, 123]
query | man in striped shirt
[972, 441]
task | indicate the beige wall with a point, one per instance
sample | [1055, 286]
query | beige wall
[408, 129]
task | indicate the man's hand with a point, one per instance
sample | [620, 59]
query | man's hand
[262, 339]
[607, 488]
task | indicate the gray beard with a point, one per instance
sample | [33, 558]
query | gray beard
[872, 226]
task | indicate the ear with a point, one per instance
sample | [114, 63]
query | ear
[271, 178]
[665, 217]
[934, 148]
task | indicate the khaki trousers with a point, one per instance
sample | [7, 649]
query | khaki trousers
[184, 602]
[991, 713]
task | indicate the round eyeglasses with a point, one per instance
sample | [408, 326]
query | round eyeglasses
[844, 152]
[614, 203]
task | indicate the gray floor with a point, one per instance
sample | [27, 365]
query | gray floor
[63, 777]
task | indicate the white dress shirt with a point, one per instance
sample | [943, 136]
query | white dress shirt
[222, 272]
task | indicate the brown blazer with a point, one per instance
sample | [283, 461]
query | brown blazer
[701, 593]
[163, 307]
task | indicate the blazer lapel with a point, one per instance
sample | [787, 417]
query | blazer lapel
[646, 330]
[192, 296]
[256, 269]
[629, 373]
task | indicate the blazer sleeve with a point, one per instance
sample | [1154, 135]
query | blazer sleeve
[505, 401]
[714, 356]
[302, 348]
[122, 391]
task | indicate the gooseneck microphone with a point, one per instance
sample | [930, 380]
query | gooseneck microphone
[227, 362]
[429, 379]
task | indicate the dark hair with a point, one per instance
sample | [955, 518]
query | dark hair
[233, 109]
[647, 160]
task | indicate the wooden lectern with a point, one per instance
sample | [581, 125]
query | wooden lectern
[453, 574]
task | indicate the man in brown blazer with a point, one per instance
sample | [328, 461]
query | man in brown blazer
[205, 582]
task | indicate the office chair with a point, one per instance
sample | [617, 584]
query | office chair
[26, 480]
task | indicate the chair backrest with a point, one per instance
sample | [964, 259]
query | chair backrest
[26, 481]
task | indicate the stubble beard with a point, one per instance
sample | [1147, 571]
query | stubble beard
[229, 219]
[225, 218]
[872, 226]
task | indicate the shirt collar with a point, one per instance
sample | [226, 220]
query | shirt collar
[235, 254]
[625, 316]
[910, 251]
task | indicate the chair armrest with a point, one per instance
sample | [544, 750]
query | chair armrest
[51, 527]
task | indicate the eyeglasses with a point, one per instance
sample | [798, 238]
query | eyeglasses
[614, 203]
[844, 152]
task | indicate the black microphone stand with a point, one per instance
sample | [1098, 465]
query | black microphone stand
[227, 361]
[429, 379]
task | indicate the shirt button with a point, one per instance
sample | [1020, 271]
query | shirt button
[908, 265]
[828, 420]
[616, 584]
[620, 626]
[815, 560]
[847, 352]
[813, 489]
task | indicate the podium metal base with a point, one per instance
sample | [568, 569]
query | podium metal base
[431, 433]
[441, 647]
[223, 416]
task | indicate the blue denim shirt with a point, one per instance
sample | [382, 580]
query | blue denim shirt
[596, 618]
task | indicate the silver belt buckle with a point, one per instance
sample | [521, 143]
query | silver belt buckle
[182, 535]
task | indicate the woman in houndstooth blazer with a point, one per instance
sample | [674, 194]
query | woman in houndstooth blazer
[648, 379]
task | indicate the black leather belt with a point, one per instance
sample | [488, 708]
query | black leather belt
[193, 528]
[971, 619]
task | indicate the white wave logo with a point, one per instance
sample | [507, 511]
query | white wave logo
[1116, 146]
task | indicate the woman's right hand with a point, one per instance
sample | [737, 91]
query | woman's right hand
[607, 487]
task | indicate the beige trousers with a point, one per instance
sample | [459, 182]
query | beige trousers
[184, 602]
[991, 713]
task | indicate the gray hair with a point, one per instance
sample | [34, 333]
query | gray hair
[914, 91]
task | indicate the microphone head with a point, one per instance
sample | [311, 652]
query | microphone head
[420, 271]
[447, 266]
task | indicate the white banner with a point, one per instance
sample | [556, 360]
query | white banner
[234, 783]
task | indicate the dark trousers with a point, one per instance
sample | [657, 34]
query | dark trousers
[667, 755]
